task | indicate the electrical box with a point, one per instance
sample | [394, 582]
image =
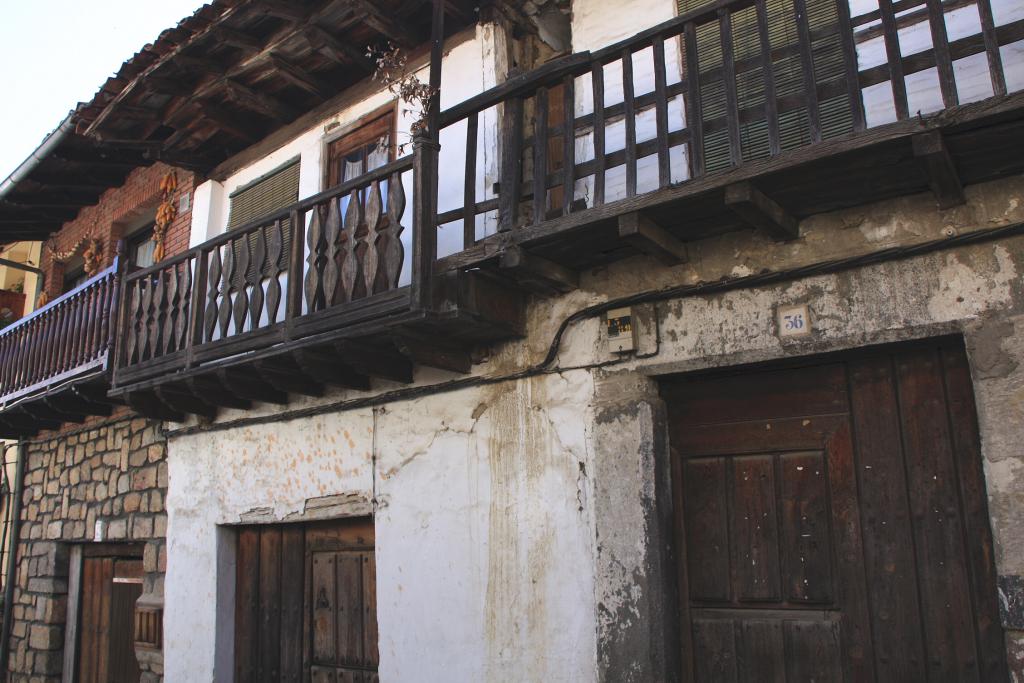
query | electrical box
[621, 330]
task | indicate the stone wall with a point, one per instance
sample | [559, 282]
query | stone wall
[106, 483]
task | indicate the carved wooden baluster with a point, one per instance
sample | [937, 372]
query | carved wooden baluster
[274, 247]
[256, 280]
[392, 249]
[241, 296]
[171, 316]
[371, 258]
[332, 233]
[155, 323]
[224, 314]
[132, 316]
[314, 239]
[147, 301]
[213, 278]
[350, 260]
[184, 299]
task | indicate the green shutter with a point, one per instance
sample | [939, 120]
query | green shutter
[271, 193]
[265, 196]
[793, 126]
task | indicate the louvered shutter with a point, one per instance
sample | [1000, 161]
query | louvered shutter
[794, 131]
[272, 193]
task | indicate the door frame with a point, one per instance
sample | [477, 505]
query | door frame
[676, 557]
[77, 554]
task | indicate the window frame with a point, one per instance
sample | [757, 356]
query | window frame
[359, 131]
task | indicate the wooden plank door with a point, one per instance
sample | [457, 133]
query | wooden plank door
[823, 514]
[106, 646]
[305, 603]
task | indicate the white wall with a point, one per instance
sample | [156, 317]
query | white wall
[484, 533]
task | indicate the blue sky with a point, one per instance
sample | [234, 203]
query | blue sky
[56, 53]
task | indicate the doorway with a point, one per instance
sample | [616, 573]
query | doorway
[831, 521]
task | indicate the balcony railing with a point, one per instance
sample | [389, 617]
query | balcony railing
[331, 261]
[66, 340]
[737, 84]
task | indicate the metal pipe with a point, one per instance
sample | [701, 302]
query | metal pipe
[20, 266]
[12, 556]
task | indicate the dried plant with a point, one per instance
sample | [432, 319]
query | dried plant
[393, 72]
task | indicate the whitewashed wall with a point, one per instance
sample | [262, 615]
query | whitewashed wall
[484, 536]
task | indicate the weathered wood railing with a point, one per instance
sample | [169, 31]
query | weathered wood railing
[714, 88]
[67, 339]
[331, 260]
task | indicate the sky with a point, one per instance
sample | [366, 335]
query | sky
[56, 53]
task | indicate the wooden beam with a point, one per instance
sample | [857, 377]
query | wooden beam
[930, 150]
[184, 400]
[251, 99]
[68, 403]
[327, 368]
[381, 22]
[435, 353]
[376, 361]
[41, 410]
[213, 392]
[299, 77]
[148, 404]
[203, 65]
[236, 39]
[759, 211]
[281, 10]
[246, 384]
[536, 273]
[170, 86]
[650, 238]
[284, 375]
[342, 52]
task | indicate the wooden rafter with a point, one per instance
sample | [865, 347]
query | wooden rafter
[339, 51]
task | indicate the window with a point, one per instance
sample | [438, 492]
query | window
[367, 147]
[74, 274]
[141, 247]
[311, 591]
[268, 194]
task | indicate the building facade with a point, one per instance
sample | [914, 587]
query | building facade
[725, 384]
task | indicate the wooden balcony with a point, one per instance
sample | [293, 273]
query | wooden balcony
[738, 116]
[54, 363]
[320, 293]
[744, 114]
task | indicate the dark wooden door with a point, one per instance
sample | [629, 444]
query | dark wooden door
[106, 646]
[832, 522]
[306, 603]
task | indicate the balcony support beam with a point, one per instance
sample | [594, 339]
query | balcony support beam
[930, 150]
[287, 377]
[761, 212]
[149, 404]
[434, 353]
[181, 399]
[650, 238]
[213, 392]
[376, 362]
[537, 274]
[325, 367]
[246, 385]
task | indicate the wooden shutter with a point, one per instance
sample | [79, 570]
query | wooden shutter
[265, 196]
[271, 193]
[794, 130]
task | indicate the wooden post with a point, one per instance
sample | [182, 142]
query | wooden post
[115, 309]
[436, 54]
[424, 232]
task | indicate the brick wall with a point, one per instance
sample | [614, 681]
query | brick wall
[116, 211]
[113, 475]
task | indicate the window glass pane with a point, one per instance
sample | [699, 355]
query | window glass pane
[378, 152]
[142, 252]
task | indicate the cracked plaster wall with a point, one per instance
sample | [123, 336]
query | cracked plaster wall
[483, 528]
